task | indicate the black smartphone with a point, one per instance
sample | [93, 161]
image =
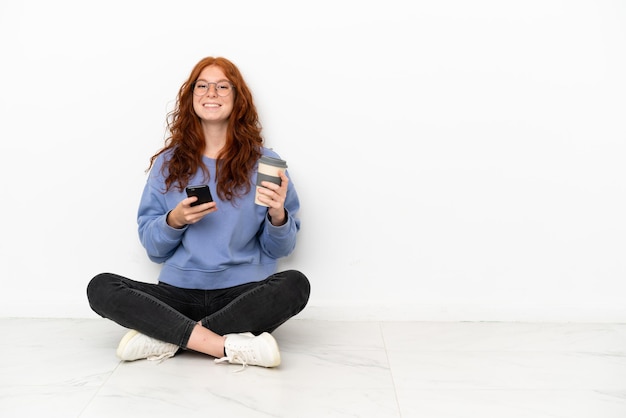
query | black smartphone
[202, 192]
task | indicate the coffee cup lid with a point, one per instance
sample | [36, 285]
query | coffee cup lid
[276, 162]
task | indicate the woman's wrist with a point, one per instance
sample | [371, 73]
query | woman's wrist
[169, 219]
[278, 221]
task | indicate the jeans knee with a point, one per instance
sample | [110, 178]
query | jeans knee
[97, 289]
[300, 285]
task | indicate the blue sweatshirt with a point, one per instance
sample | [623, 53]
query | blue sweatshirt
[237, 244]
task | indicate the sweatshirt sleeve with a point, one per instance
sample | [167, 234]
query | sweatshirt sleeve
[158, 238]
[280, 241]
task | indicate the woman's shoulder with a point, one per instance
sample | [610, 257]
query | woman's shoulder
[269, 152]
[164, 157]
[159, 167]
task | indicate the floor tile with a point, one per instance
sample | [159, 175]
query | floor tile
[510, 404]
[68, 368]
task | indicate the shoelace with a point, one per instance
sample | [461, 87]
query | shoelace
[161, 357]
[231, 359]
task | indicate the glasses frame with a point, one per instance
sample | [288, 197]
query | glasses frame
[217, 91]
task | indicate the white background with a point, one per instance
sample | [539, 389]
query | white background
[455, 160]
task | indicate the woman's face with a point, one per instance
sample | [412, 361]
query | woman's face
[213, 96]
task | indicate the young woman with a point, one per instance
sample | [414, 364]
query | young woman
[218, 291]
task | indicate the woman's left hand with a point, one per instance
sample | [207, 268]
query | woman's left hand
[274, 196]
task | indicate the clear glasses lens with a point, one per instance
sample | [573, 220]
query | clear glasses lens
[223, 88]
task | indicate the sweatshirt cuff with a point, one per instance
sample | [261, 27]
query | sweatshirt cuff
[269, 221]
[170, 232]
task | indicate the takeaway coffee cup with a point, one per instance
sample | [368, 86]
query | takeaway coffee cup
[269, 168]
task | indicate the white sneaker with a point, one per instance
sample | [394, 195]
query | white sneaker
[136, 346]
[248, 350]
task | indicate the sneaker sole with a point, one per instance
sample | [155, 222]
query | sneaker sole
[120, 348]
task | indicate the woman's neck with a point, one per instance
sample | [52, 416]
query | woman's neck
[215, 140]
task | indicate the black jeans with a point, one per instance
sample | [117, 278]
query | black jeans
[169, 313]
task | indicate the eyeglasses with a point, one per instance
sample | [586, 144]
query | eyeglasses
[223, 88]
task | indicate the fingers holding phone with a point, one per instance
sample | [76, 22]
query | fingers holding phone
[197, 205]
[203, 204]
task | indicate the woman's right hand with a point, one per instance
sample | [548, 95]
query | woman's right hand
[185, 214]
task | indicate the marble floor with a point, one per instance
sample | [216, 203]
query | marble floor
[67, 368]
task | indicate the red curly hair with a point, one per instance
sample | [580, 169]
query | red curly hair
[186, 140]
